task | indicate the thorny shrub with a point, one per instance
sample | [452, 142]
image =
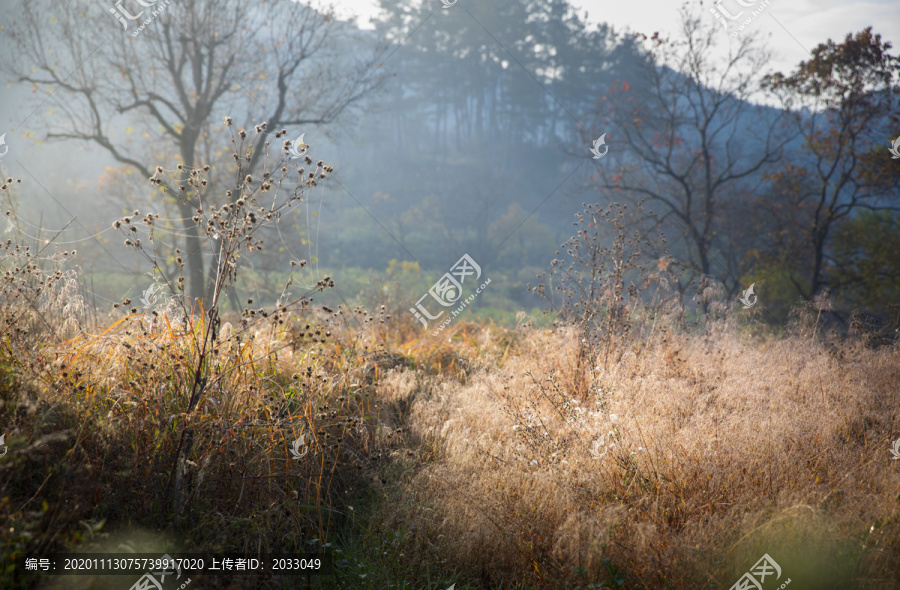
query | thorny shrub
[40, 299]
[230, 230]
[600, 286]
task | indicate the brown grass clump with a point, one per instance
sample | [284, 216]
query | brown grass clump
[119, 411]
[693, 457]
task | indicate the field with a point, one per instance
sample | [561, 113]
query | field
[675, 456]
[236, 352]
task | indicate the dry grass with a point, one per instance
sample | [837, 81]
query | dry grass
[725, 449]
[115, 405]
[468, 455]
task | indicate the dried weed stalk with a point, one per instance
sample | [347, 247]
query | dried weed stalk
[230, 226]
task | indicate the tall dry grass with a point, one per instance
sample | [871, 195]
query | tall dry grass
[95, 429]
[693, 456]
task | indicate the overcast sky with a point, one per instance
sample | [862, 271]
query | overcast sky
[796, 26]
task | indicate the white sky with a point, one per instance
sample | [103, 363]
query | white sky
[803, 23]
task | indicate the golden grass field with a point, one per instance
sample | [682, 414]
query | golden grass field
[485, 458]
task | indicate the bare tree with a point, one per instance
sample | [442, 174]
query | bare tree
[694, 146]
[277, 63]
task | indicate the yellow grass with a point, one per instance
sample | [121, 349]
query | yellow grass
[475, 450]
[726, 448]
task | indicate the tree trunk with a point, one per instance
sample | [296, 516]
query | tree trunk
[193, 253]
